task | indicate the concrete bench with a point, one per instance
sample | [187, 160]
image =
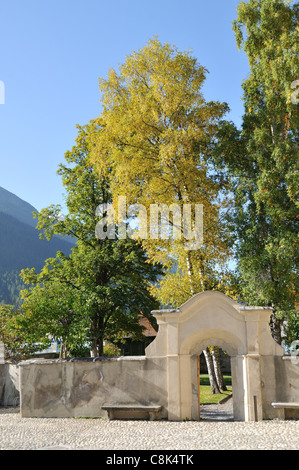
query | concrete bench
[132, 411]
[282, 406]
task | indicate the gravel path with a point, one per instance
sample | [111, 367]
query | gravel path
[223, 412]
[84, 434]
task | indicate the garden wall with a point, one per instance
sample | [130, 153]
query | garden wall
[280, 384]
[79, 388]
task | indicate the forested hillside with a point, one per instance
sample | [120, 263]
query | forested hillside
[20, 246]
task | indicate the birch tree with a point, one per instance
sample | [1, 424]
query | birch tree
[155, 139]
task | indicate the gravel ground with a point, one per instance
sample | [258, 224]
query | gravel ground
[211, 433]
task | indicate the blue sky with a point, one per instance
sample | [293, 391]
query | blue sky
[52, 54]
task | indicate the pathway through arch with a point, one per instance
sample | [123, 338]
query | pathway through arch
[217, 412]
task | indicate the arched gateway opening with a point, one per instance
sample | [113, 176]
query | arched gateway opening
[211, 318]
[206, 405]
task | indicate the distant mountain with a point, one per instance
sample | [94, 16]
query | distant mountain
[20, 246]
[12, 205]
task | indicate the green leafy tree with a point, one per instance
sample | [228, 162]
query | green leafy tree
[262, 158]
[19, 343]
[50, 309]
[105, 282]
[291, 329]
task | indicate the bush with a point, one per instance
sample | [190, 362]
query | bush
[111, 350]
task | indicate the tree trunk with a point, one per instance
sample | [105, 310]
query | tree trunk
[97, 348]
[100, 347]
[97, 334]
[94, 349]
[217, 368]
[211, 372]
[275, 327]
[62, 350]
[190, 272]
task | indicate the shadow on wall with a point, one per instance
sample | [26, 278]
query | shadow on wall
[9, 385]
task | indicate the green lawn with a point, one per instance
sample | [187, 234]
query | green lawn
[205, 390]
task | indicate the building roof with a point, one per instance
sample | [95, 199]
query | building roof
[149, 330]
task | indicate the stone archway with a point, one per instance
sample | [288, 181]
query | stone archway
[209, 318]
